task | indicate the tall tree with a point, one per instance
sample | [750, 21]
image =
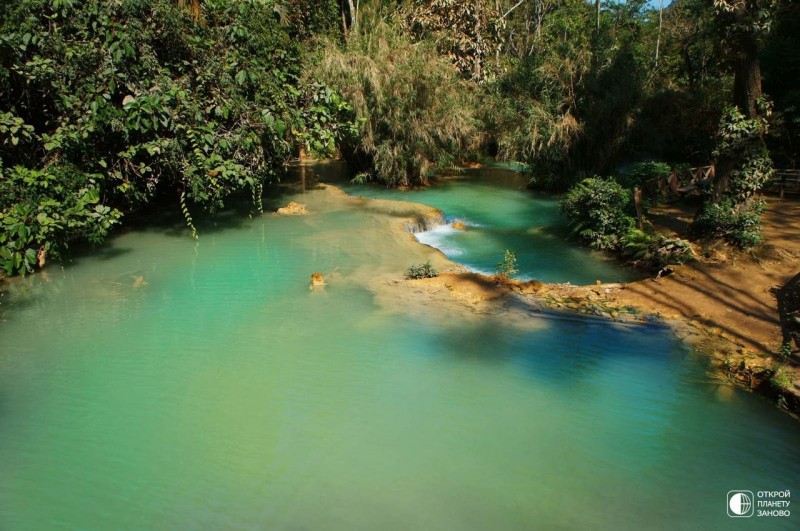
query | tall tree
[744, 25]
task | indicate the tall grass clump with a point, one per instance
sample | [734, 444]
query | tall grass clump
[414, 110]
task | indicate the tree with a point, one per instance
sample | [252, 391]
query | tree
[106, 107]
[469, 32]
[744, 25]
[414, 110]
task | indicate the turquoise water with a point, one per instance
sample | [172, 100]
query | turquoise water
[500, 213]
[163, 384]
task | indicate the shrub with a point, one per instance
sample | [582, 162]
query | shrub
[780, 380]
[425, 270]
[508, 267]
[597, 212]
[739, 225]
[655, 251]
[42, 211]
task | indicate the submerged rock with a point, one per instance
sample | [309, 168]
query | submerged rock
[317, 280]
[293, 209]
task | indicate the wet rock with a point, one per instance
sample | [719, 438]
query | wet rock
[614, 314]
[530, 287]
[293, 209]
[459, 225]
[317, 279]
[425, 223]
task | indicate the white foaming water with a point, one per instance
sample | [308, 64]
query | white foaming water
[441, 238]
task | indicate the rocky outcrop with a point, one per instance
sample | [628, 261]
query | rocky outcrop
[317, 280]
[426, 222]
[293, 209]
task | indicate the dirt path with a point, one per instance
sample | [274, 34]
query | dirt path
[737, 295]
[723, 304]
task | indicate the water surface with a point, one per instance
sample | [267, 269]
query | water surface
[501, 213]
[168, 384]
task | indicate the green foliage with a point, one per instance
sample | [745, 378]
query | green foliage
[307, 18]
[780, 380]
[533, 111]
[735, 212]
[655, 251]
[738, 224]
[785, 351]
[42, 211]
[597, 210]
[508, 267]
[414, 110]
[425, 270]
[468, 32]
[136, 100]
[741, 140]
[640, 172]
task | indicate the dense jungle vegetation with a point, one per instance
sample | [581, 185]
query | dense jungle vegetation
[107, 108]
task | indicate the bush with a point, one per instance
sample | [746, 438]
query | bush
[739, 225]
[655, 251]
[508, 267]
[780, 380]
[597, 210]
[425, 270]
[42, 211]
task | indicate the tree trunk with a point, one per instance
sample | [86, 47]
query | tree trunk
[660, 23]
[747, 78]
[597, 17]
[353, 16]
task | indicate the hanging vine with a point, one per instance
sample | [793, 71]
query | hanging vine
[187, 216]
[256, 191]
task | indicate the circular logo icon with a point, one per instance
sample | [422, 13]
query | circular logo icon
[740, 504]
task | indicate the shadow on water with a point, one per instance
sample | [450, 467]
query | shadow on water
[164, 217]
[568, 350]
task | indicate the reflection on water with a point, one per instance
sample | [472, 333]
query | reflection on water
[218, 392]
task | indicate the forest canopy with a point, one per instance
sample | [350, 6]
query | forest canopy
[108, 107]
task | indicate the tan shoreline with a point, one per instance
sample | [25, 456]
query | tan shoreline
[725, 309]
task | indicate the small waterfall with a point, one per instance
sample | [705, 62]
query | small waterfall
[426, 223]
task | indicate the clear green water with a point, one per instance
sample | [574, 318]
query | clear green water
[223, 394]
[501, 214]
